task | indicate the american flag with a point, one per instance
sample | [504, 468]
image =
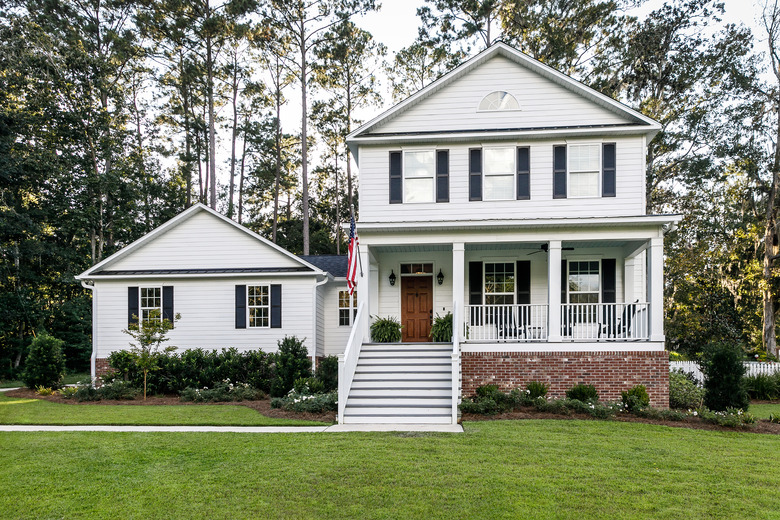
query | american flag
[352, 257]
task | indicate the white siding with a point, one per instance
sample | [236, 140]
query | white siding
[336, 336]
[630, 199]
[203, 241]
[543, 103]
[320, 317]
[390, 297]
[207, 308]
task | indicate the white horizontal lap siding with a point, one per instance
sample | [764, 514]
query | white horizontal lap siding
[630, 179]
[390, 296]
[336, 336]
[543, 103]
[201, 242]
[207, 308]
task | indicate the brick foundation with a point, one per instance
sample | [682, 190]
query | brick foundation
[101, 366]
[609, 372]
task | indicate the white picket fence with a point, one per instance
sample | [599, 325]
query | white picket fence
[754, 368]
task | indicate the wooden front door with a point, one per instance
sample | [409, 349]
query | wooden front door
[416, 307]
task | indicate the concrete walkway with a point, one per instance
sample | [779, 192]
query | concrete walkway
[447, 428]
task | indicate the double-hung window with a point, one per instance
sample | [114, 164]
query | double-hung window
[419, 174]
[151, 304]
[499, 283]
[584, 281]
[584, 170]
[498, 173]
[347, 308]
[258, 305]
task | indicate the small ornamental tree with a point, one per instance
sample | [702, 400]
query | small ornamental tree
[149, 336]
[292, 362]
[45, 364]
[724, 371]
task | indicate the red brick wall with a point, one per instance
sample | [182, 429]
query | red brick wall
[609, 372]
[101, 366]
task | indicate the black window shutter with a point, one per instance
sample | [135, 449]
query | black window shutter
[564, 280]
[475, 283]
[276, 306]
[608, 169]
[523, 282]
[442, 176]
[559, 172]
[240, 306]
[132, 305]
[475, 174]
[608, 278]
[396, 179]
[523, 173]
[167, 301]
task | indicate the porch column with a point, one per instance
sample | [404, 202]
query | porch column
[364, 285]
[655, 288]
[554, 291]
[458, 287]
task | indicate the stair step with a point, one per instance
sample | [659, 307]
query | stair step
[396, 419]
[395, 411]
[423, 362]
[427, 347]
[411, 402]
[416, 376]
[407, 354]
[418, 386]
[401, 392]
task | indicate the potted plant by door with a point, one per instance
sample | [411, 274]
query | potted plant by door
[386, 330]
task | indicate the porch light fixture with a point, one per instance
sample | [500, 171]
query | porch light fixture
[392, 277]
[440, 277]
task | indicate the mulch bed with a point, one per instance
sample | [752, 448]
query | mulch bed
[262, 406]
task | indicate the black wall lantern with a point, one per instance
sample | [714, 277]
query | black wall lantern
[440, 277]
[392, 277]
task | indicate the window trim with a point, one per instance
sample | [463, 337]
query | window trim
[404, 179]
[568, 275]
[250, 307]
[141, 308]
[599, 172]
[510, 173]
[484, 282]
[352, 300]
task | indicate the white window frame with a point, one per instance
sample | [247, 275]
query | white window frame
[351, 308]
[498, 109]
[568, 276]
[511, 173]
[142, 309]
[570, 147]
[485, 293]
[432, 176]
[249, 307]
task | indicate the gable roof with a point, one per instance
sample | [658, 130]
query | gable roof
[103, 268]
[633, 121]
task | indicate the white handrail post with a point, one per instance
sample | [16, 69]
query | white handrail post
[348, 360]
[455, 364]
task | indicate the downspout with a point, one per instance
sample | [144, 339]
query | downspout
[315, 316]
[93, 357]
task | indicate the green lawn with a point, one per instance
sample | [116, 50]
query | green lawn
[501, 469]
[70, 379]
[762, 411]
[36, 411]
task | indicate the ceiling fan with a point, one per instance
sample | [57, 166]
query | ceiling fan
[546, 247]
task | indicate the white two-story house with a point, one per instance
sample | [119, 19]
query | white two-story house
[513, 197]
[505, 193]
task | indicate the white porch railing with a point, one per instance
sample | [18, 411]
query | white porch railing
[605, 321]
[349, 359]
[505, 323]
[455, 364]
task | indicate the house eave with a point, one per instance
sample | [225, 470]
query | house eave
[278, 274]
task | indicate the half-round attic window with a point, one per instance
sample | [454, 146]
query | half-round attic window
[499, 100]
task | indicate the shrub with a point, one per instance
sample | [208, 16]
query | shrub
[43, 390]
[536, 389]
[328, 372]
[224, 391]
[774, 418]
[635, 398]
[86, 392]
[583, 393]
[317, 403]
[386, 330]
[763, 386]
[724, 385]
[489, 400]
[292, 362]
[661, 414]
[683, 393]
[45, 364]
[441, 330]
[67, 391]
[118, 390]
[308, 386]
[730, 417]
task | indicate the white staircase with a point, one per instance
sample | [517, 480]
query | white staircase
[406, 383]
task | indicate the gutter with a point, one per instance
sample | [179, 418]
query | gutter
[93, 357]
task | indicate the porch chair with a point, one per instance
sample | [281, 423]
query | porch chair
[617, 328]
[513, 324]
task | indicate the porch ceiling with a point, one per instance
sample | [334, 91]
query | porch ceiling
[412, 248]
[507, 246]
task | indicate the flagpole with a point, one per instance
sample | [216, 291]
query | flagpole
[360, 260]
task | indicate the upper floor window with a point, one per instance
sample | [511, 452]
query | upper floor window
[493, 170]
[584, 170]
[499, 100]
[419, 173]
[499, 173]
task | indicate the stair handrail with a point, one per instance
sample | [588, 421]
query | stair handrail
[455, 363]
[349, 359]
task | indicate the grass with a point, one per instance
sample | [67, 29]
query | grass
[37, 411]
[70, 379]
[762, 411]
[500, 469]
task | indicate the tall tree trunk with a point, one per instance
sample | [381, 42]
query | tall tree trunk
[241, 176]
[304, 146]
[336, 219]
[212, 125]
[278, 146]
[185, 98]
[233, 140]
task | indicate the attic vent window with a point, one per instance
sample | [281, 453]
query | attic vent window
[499, 100]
